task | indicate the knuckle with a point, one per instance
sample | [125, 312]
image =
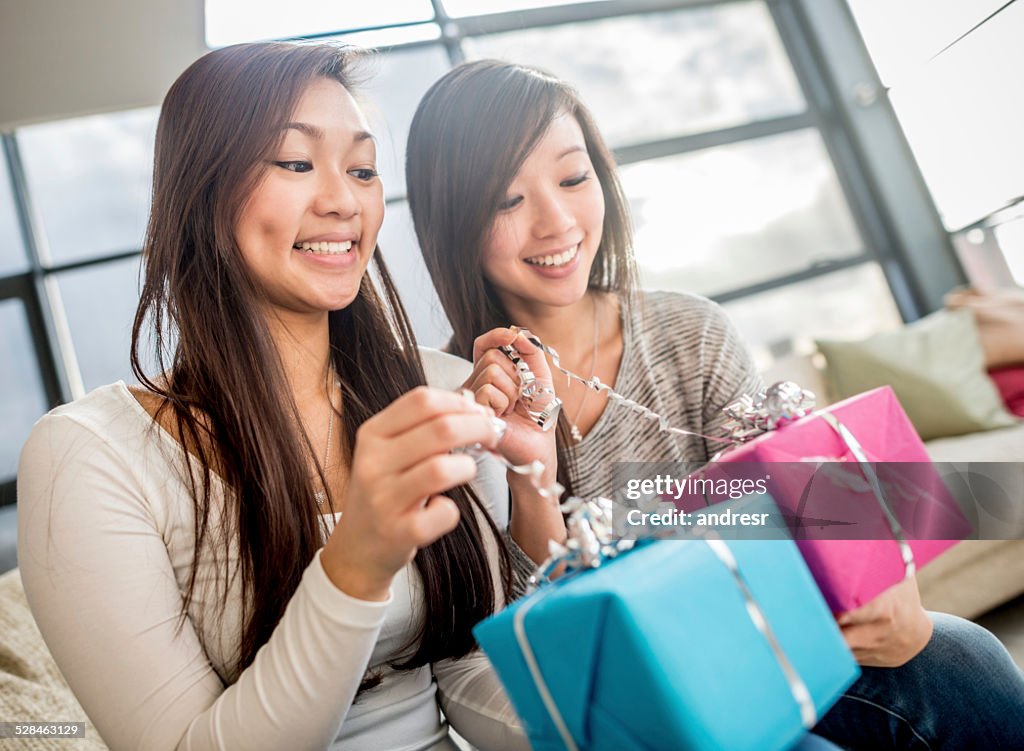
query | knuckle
[420, 396]
[494, 372]
[436, 473]
[446, 430]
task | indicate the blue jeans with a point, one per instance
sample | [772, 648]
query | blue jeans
[963, 691]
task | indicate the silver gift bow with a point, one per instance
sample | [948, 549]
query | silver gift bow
[780, 402]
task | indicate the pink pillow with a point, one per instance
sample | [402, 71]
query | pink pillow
[1010, 383]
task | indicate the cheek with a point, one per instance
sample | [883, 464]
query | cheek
[268, 212]
[594, 209]
[372, 215]
[504, 243]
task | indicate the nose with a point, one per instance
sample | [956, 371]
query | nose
[552, 216]
[335, 194]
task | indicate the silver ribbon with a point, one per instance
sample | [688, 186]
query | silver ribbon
[594, 383]
[779, 403]
[909, 566]
[532, 393]
[801, 694]
[519, 627]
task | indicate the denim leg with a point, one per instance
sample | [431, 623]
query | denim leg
[812, 742]
[963, 691]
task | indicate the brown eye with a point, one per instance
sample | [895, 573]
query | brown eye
[296, 166]
[363, 173]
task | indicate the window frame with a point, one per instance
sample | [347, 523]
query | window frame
[846, 104]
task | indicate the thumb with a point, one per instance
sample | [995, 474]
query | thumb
[437, 518]
[533, 355]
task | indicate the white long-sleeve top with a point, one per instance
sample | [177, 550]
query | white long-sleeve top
[106, 546]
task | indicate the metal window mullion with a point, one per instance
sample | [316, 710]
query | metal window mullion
[451, 34]
[515, 20]
[50, 356]
[97, 261]
[863, 202]
[812, 272]
[8, 492]
[669, 147]
[921, 245]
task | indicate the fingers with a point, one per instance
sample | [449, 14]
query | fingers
[877, 645]
[864, 636]
[420, 405]
[431, 477]
[423, 525]
[438, 436]
[533, 356]
[493, 385]
[494, 398]
[887, 606]
[867, 613]
[492, 340]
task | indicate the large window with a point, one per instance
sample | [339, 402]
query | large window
[954, 85]
[741, 179]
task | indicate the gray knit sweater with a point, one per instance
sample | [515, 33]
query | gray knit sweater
[682, 358]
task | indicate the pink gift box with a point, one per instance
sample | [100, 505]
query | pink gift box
[824, 494]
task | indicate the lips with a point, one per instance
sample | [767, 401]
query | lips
[554, 259]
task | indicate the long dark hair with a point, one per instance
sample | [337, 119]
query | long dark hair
[469, 137]
[225, 384]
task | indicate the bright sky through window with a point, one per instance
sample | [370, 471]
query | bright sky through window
[460, 8]
[234, 21]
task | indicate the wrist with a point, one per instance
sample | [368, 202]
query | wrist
[355, 581]
[523, 489]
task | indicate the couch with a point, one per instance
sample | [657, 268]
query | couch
[31, 686]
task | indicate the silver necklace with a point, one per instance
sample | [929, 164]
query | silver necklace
[321, 495]
[574, 431]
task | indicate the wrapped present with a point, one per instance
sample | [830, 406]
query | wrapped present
[696, 644]
[864, 502]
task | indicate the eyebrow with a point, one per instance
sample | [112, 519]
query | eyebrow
[317, 134]
[572, 149]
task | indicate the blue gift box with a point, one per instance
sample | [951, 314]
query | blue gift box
[658, 649]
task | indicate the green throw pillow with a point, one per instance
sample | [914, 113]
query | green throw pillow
[935, 366]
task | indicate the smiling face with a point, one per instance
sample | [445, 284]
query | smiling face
[310, 226]
[547, 232]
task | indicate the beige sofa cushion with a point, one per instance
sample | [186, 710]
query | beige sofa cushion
[935, 366]
[31, 686]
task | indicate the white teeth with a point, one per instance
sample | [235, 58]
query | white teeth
[556, 260]
[324, 248]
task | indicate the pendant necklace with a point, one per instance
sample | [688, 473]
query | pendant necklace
[321, 495]
[574, 430]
